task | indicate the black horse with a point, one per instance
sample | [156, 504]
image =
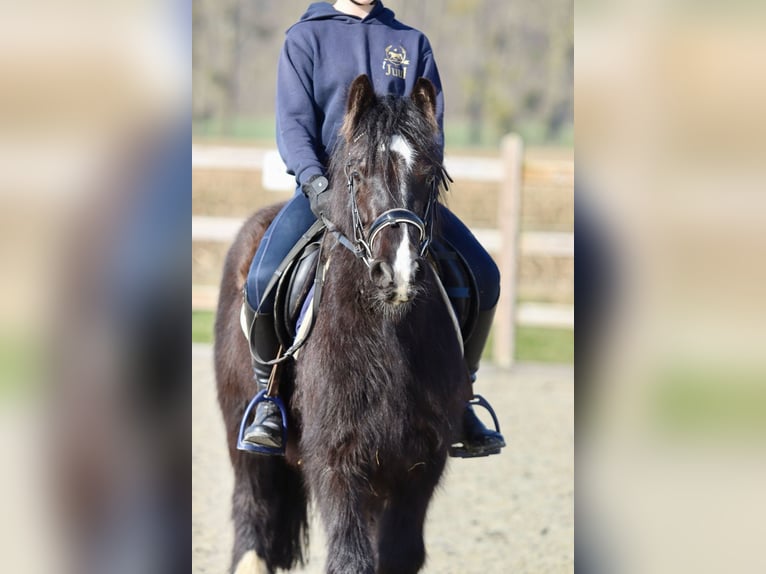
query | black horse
[375, 395]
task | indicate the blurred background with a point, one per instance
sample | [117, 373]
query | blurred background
[95, 110]
[671, 371]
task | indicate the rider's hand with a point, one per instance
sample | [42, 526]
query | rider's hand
[315, 189]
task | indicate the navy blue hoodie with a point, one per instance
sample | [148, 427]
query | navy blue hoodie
[322, 54]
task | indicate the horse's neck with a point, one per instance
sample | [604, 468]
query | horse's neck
[347, 276]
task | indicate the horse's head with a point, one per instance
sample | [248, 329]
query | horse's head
[390, 163]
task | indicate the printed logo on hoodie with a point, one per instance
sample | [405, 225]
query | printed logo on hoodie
[395, 63]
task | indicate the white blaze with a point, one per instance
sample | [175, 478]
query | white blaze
[403, 266]
[403, 262]
[400, 146]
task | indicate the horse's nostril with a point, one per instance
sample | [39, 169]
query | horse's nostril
[381, 273]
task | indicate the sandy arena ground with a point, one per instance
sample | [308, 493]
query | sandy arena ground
[496, 515]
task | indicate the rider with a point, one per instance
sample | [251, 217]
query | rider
[323, 52]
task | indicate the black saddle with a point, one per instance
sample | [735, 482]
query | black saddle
[296, 283]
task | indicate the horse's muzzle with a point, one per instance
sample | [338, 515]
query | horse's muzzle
[397, 283]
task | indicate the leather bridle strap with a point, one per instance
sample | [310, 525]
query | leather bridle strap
[394, 217]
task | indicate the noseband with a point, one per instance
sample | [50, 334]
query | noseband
[394, 217]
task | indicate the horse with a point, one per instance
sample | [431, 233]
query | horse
[375, 395]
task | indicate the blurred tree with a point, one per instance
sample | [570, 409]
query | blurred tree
[504, 66]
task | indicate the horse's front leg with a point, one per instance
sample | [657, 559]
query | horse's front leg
[401, 549]
[349, 546]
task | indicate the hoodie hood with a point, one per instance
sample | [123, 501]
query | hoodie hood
[325, 11]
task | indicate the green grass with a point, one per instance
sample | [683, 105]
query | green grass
[21, 366]
[244, 128]
[709, 400]
[532, 343]
[202, 326]
[457, 133]
[544, 345]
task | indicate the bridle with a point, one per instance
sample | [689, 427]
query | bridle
[364, 241]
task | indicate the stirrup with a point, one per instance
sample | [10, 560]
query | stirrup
[260, 449]
[461, 450]
[479, 401]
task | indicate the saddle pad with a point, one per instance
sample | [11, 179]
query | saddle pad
[306, 318]
[306, 315]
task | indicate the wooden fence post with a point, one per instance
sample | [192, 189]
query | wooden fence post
[509, 217]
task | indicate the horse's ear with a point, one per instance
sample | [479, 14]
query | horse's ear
[361, 95]
[424, 96]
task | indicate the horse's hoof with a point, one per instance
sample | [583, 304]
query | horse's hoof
[250, 563]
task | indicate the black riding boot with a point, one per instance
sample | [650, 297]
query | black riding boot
[266, 428]
[477, 439]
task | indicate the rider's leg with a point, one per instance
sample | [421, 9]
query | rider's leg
[288, 226]
[478, 440]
